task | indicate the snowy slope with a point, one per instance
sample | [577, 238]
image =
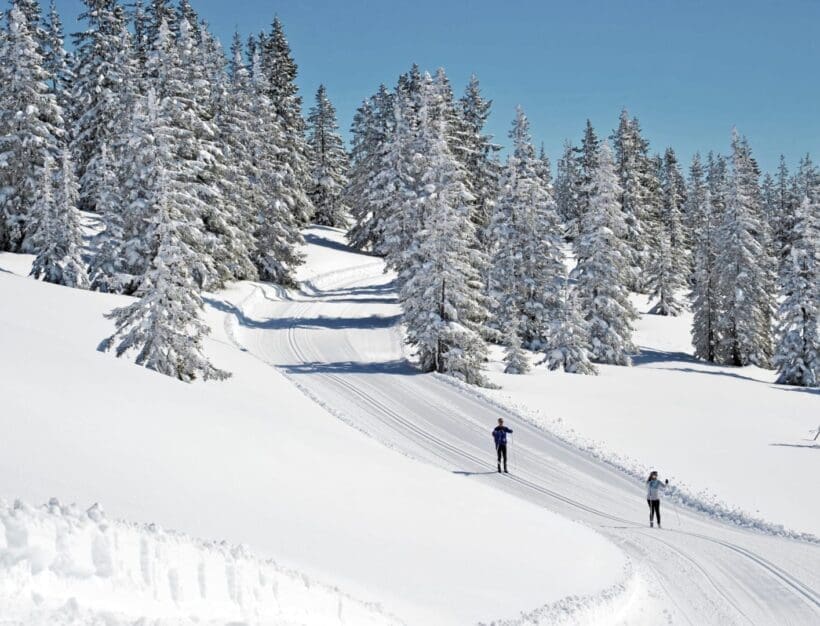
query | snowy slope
[339, 341]
[256, 462]
[727, 434]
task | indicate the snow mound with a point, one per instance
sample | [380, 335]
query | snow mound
[62, 565]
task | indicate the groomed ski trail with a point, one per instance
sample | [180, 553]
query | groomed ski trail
[340, 341]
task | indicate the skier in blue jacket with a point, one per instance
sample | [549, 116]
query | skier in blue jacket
[500, 437]
[653, 496]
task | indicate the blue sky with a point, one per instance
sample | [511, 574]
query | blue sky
[689, 69]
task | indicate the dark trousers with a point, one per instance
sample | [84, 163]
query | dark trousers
[502, 453]
[654, 509]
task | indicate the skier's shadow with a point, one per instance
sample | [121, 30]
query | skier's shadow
[463, 473]
[811, 446]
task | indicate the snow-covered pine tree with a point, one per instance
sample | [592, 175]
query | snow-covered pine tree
[568, 347]
[526, 240]
[633, 167]
[398, 184]
[280, 71]
[745, 270]
[56, 61]
[780, 210]
[372, 131]
[164, 325]
[59, 236]
[668, 265]
[797, 357]
[587, 157]
[31, 131]
[329, 164]
[515, 358]
[239, 179]
[441, 294]
[33, 12]
[705, 203]
[277, 232]
[226, 217]
[480, 163]
[674, 206]
[602, 271]
[567, 183]
[109, 267]
[102, 91]
[157, 12]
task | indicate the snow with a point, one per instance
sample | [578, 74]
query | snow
[253, 461]
[404, 509]
[63, 565]
[338, 340]
[723, 434]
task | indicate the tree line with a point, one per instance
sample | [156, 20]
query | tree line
[202, 170]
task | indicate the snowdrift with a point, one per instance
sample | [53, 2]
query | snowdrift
[62, 565]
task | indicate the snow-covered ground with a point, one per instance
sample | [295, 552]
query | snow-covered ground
[339, 341]
[726, 435]
[252, 461]
[65, 566]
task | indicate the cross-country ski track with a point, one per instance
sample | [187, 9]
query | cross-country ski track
[338, 338]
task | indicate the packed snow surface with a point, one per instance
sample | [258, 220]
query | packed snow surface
[255, 461]
[339, 340]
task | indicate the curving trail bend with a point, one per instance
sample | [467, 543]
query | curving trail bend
[339, 339]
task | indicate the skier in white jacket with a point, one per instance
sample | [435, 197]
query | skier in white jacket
[653, 497]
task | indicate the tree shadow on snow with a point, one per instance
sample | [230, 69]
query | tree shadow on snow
[648, 356]
[810, 390]
[317, 240]
[284, 323]
[399, 367]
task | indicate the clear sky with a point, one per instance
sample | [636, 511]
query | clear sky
[689, 69]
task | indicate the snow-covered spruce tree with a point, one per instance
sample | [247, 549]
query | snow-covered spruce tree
[329, 164]
[705, 203]
[673, 187]
[240, 178]
[780, 211]
[103, 84]
[745, 270]
[480, 164]
[567, 183]
[526, 238]
[108, 270]
[633, 167]
[568, 347]
[441, 295]
[797, 357]
[399, 183]
[602, 271]
[280, 71]
[587, 164]
[372, 131]
[277, 232]
[668, 265]
[31, 131]
[56, 60]
[128, 244]
[33, 13]
[59, 237]
[164, 325]
[228, 216]
[515, 358]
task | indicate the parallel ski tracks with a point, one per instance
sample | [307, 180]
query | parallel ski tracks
[445, 452]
